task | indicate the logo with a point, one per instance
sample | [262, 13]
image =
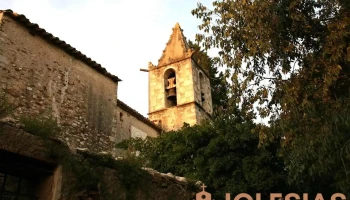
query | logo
[203, 195]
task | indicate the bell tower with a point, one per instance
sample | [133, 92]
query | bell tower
[179, 89]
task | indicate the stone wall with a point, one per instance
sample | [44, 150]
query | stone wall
[173, 117]
[24, 155]
[57, 179]
[40, 77]
[201, 114]
[204, 87]
[132, 124]
[184, 85]
[190, 109]
[43, 76]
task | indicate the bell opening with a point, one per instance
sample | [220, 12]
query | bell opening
[170, 88]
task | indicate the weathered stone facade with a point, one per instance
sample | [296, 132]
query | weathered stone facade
[193, 94]
[130, 123]
[43, 75]
[43, 78]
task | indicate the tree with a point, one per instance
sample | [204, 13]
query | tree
[273, 38]
[290, 59]
[222, 154]
[218, 83]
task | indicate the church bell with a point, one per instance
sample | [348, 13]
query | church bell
[171, 94]
[171, 89]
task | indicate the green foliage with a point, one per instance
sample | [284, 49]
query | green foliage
[289, 59]
[128, 170]
[316, 149]
[87, 169]
[218, 83]
[223, 154]
[40, 125]
[264, 42]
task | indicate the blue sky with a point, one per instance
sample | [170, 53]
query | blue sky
[121, 35]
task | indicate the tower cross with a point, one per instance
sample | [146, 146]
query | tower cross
[203, 186]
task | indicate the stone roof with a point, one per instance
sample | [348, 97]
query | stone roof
[136, 114]
[35, 29]
[176, 49]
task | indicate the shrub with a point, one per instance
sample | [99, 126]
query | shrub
[42, 126]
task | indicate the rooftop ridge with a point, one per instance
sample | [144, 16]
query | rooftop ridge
[136, 114]
[176, 48]
[59, 43]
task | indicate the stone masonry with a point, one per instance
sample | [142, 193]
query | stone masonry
[190, 108]
[40, 77]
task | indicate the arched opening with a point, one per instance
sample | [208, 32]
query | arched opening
[170, 88]
[201, 86]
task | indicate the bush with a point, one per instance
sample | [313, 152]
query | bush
[42, 126]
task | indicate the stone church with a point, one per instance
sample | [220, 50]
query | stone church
[41, 75]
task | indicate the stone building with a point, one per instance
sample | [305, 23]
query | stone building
[43, 76]
[82, 96]
[179, 89]
[132, 123]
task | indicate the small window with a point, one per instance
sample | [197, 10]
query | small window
[201, 86]
[121, 116]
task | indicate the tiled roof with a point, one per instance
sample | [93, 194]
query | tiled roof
[140, 117]
[59, 43]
